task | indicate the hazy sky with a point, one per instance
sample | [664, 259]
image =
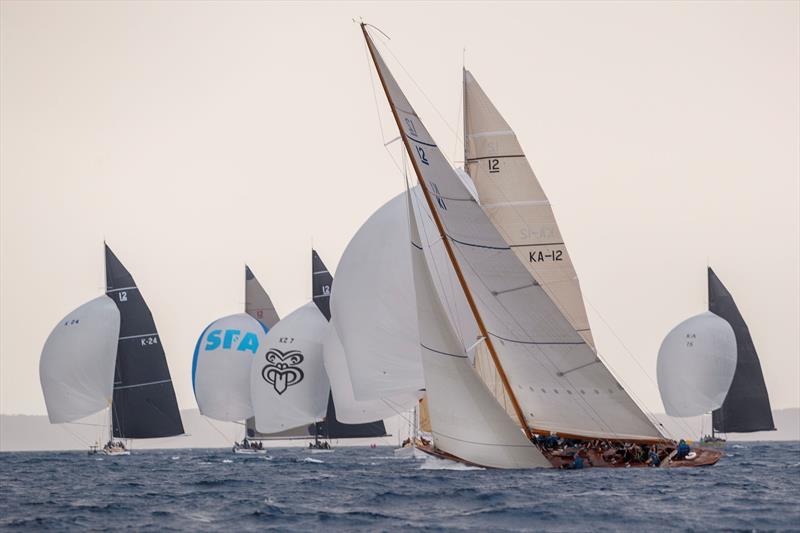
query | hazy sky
[197, 137]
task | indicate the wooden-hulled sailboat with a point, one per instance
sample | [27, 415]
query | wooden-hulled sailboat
[557, 399]
[108, 354]
[709, 363]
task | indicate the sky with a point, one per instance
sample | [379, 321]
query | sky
[197, 137]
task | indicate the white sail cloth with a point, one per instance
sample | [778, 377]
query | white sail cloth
[221, 366]
[288, 383]
[515, 202]
[348, 409]
[373, 305]
[696, 364]
[557, 379]
[466, 420]
[76, 368]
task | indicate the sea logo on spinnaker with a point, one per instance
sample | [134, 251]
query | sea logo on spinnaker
[282, 372]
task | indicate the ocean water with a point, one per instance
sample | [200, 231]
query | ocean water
[756, 487]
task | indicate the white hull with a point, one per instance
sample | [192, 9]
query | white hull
[315, 450]
[112, 452]
[245, 451]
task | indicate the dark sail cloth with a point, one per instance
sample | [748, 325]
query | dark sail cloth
[144, 404]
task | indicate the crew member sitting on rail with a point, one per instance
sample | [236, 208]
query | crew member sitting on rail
[682, 451]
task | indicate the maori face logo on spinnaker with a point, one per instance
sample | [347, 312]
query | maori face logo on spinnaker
[281, 371]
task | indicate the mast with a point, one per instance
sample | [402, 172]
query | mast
[448, 247]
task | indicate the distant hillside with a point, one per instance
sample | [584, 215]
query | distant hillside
[32, 433]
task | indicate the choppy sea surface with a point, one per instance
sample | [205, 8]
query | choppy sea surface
[756, 487]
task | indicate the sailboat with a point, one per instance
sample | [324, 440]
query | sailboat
[289, 386]
[107, 354]
[223, 357]
[546, 398]
[709, 363]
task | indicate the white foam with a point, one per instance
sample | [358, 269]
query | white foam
[435, 463]
[176, 457]
[227, 461]
[312, 460]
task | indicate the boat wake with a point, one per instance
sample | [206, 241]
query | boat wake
[435, 463]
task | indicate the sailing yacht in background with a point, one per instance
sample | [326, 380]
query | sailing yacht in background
[709, 363]
[543, 378]
[223, 357]
[107, 354]
[289, 386]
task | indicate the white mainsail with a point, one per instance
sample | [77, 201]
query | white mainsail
[558, 381]
[76, 368]
[517, 205]
[696, 364]
[374, 310]
[221, 367]
[465, 419]
[288, 383]
[349, 410]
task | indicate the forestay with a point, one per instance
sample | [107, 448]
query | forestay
[288, 383]
[374, 309]
[77, 363]
[515, 202]
[556, 377]
[221, 366]
[696, 363]
[348, 409]
[465, 420]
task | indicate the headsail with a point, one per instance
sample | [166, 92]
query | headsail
[515, 202]
[746, 407]
[464, 418]
[77, 364]
[144, 404]
[221, 366]
[374, 310]
[696, 363]
[559, 382]
[288, 383]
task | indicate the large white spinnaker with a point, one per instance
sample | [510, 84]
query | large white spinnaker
[557, 379]
[696, 364]
[465, 418]
[288, 383]
[78, 360]
[221, 367]
[373, 305]
[349, 410]
[515, 202]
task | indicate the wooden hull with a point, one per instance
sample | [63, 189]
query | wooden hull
[702, 457]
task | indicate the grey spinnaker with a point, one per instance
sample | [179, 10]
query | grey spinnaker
[322, 282]
[746, 407]
[144, 404]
